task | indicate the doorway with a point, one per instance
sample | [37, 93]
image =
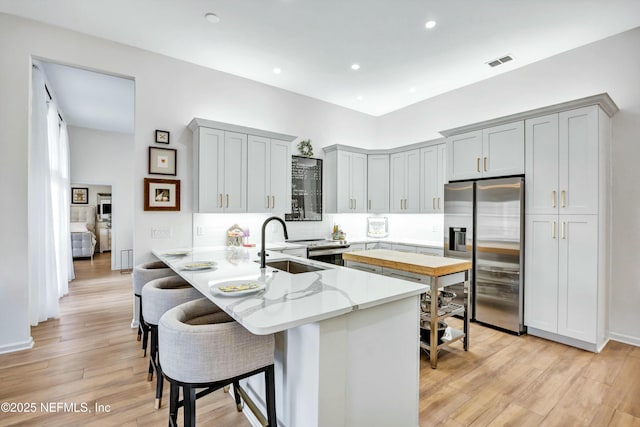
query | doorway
[98, 109]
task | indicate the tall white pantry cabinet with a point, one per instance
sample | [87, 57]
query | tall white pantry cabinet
[567, 224]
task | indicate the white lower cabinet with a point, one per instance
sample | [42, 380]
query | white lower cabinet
[430, 251]
[403, 248]
[406, 275]
[364, 267]
[562, 275]
[357, 247]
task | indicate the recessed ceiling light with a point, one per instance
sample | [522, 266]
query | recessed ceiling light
[212, 17]
[413, 89]
[430, 24]
[359, 97]
[355, 67]
[277, 70]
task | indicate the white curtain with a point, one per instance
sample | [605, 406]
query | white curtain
[49, 200]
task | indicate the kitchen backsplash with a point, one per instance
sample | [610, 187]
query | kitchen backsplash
[210, 229]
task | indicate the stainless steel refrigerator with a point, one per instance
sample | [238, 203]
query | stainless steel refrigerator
[484, 223]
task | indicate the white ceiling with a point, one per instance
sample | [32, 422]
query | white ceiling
[92, 100]
[315, 42]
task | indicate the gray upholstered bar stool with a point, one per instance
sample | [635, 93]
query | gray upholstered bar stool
[158, 296]
[142, 274]
[201, 347]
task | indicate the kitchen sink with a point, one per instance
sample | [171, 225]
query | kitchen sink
[293, 267]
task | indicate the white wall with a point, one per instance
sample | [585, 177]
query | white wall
[210, 229]
[106, 158]
[611, 65]
[169, 93]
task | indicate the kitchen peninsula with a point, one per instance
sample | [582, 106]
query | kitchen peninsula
[347, 347]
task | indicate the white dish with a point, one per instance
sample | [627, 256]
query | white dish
[198, 265]
[177, 253]
[237, 287]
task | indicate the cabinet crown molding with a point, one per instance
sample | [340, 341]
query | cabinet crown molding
[603, 100]
[197, 123]
[393, 150]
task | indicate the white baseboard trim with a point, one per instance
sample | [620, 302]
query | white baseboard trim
[626, 339]
[563, 340]
[18, 346]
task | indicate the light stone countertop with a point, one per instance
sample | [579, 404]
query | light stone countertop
[288, 300]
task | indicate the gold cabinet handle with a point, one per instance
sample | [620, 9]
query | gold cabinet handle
[220, 200]
[553, 230]
[273, 202]
[553, 199]
[227, 200]
[562, 197]
[485, 164]
[433, 203]
[268, 202]
[369, 204]
[438, 202]
[478, 164]
[564, 226]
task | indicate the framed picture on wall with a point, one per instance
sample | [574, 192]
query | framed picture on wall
[80, 195]
[162, 161]
[161, 194]
[162, 136]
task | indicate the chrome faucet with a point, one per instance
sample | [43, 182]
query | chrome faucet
[263, 261]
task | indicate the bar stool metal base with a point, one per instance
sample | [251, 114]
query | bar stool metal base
[188, 403]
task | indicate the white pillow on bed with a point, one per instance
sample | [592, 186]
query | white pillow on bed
[79, 227]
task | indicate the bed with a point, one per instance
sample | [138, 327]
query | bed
[82, 228]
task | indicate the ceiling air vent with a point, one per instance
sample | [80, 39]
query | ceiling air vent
[499, 61]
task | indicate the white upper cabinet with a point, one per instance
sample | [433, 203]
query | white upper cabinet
[221, 171]
[490, 152]
[542, 165]
[405, 181]
[465, 156]
[345, 178]
[240, 169]
[579, 150]
[378, 183]
[269, 175]
[562, 167]
[432, 178]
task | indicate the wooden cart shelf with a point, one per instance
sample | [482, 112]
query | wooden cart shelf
[437, 273]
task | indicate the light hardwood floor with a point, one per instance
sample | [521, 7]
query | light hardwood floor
[90, 355]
